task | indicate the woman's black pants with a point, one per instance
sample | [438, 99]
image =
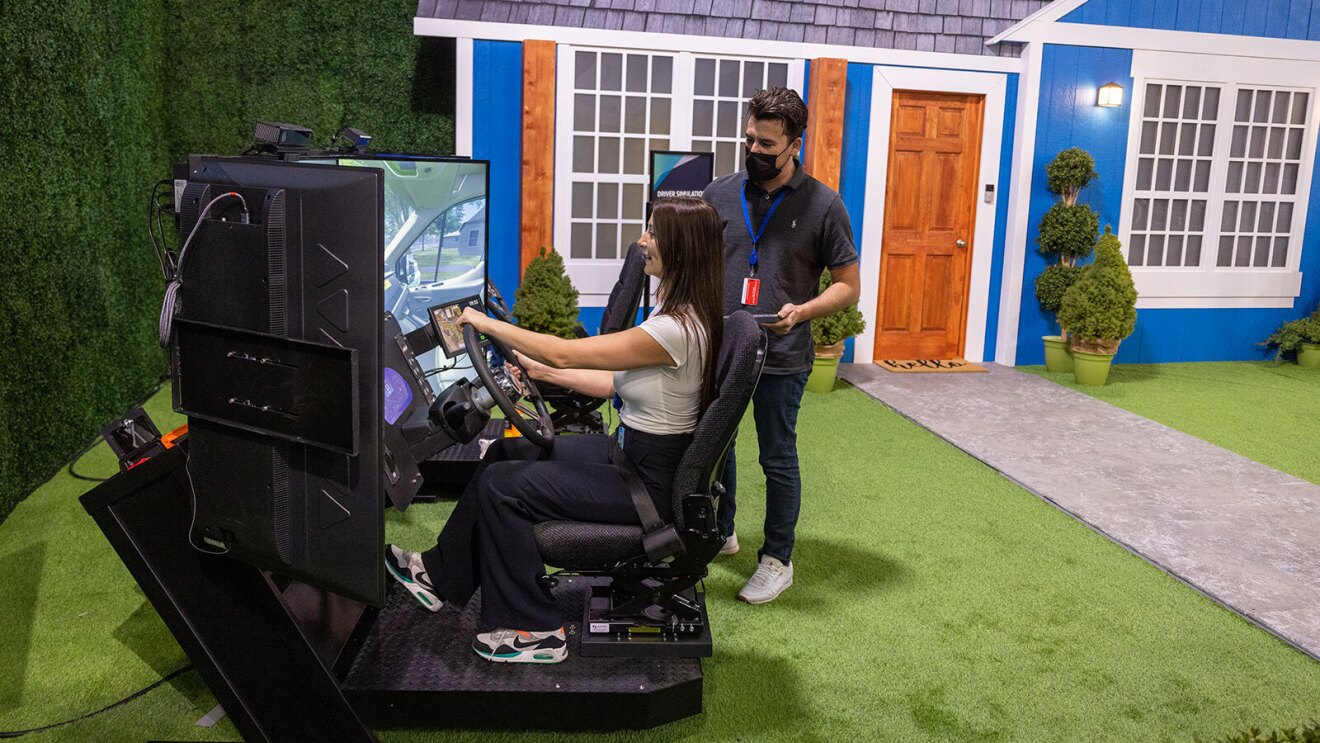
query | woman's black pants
[488, 540]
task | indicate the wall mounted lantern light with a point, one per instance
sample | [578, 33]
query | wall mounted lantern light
[1109, 96]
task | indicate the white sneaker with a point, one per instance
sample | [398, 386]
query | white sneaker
[769, 580]
[408, 569]
[730, 545]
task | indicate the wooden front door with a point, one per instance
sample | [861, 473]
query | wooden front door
[930, 217]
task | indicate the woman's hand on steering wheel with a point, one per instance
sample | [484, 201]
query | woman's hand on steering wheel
[528, 414]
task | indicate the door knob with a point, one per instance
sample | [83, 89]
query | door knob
[962, 244]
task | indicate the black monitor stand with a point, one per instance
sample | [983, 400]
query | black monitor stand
[288, 661]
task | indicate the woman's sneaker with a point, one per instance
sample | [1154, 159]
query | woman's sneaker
[730, 545]
[408, 569]
[517, 646]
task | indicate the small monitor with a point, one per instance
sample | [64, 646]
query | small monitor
[444, 319]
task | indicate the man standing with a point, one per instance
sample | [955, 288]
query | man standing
[783, 228]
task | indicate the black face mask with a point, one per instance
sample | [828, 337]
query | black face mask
[762, 166]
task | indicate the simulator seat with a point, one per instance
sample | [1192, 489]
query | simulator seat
[574, 411]
[644, 600]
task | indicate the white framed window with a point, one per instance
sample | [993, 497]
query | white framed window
[613, 106]
[1218, 180]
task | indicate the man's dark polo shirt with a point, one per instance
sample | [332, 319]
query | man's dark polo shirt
[809, 232]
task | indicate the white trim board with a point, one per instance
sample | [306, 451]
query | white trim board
[886, 81]
[1048, 14]
[463, 71]
[642, 40]
[1154, 39]
[1019, 207]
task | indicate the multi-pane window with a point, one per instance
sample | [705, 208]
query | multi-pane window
[621, 110]
[1173, 174]
[1260, 185]
[721, 88]
[613, 107]
[1218, 169]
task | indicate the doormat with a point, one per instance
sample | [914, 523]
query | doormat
[921, 366]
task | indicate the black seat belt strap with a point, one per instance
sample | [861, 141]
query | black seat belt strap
[660, 541]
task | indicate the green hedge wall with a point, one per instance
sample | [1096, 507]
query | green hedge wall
[99, 100]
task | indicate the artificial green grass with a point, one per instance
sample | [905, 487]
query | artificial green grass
[933, 601]
[1264, 411]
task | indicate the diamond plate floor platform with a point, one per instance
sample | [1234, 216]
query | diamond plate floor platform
[417, 669]
[1244, 534]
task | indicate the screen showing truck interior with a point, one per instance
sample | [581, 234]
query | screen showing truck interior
[444, 318]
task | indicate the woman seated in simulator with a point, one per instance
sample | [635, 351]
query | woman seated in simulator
[663, 370]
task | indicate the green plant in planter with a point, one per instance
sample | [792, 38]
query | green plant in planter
[838, 325]
[1290, 336]
[1100, 308]
[828, 333]
[546, 301]
[1067, 231]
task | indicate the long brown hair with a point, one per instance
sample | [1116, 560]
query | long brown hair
[690, 238]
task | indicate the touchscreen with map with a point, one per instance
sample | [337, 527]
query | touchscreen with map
[444, 318]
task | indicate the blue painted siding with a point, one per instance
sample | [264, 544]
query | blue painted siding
[1001, 217]
[1068, 117]
[1278, 19]
[497, 137]
[856, 148]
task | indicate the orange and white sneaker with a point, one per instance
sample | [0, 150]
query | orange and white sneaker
[517, 646]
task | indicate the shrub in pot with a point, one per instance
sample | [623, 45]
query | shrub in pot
[1099, 310]
[828, 334]
[546, 301]
[1066, 234]
[1300, 337]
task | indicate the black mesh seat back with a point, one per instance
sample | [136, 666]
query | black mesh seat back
[626, 296]
[741, 355]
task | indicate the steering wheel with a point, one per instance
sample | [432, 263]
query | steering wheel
[534, 425]
[496, 304]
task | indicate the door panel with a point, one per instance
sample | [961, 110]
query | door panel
[930, 205]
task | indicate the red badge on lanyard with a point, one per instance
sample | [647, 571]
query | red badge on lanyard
[751, 291]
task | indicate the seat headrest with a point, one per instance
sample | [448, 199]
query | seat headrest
[626, 296]
[737, 370]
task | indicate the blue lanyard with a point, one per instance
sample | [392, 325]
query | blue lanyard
[747, 218]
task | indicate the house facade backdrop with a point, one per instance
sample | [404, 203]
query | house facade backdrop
[1205, 166]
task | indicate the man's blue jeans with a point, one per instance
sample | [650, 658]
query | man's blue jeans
[775, 408]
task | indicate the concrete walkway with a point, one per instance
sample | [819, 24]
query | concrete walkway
[1245, 535]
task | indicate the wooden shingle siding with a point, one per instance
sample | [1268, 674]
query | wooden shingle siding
[960, 26]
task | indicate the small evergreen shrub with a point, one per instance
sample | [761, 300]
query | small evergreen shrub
[1053, 283]
[1290, 336]
[1069, 173]
[1100, 308]
[840, 324]
[1309, 733]
[546, 301]
[1068, 231]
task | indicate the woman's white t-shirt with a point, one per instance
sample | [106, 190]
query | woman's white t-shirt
[665, 399]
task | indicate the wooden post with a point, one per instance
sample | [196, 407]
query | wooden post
[825, 102]
[538, 152]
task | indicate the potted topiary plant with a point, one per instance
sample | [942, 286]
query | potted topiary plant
[828, 333]
[1099, 310]
[1302, 337]
[1067, 233]
[546, 301]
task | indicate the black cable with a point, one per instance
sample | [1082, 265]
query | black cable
[152, 206]
[107, 708]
